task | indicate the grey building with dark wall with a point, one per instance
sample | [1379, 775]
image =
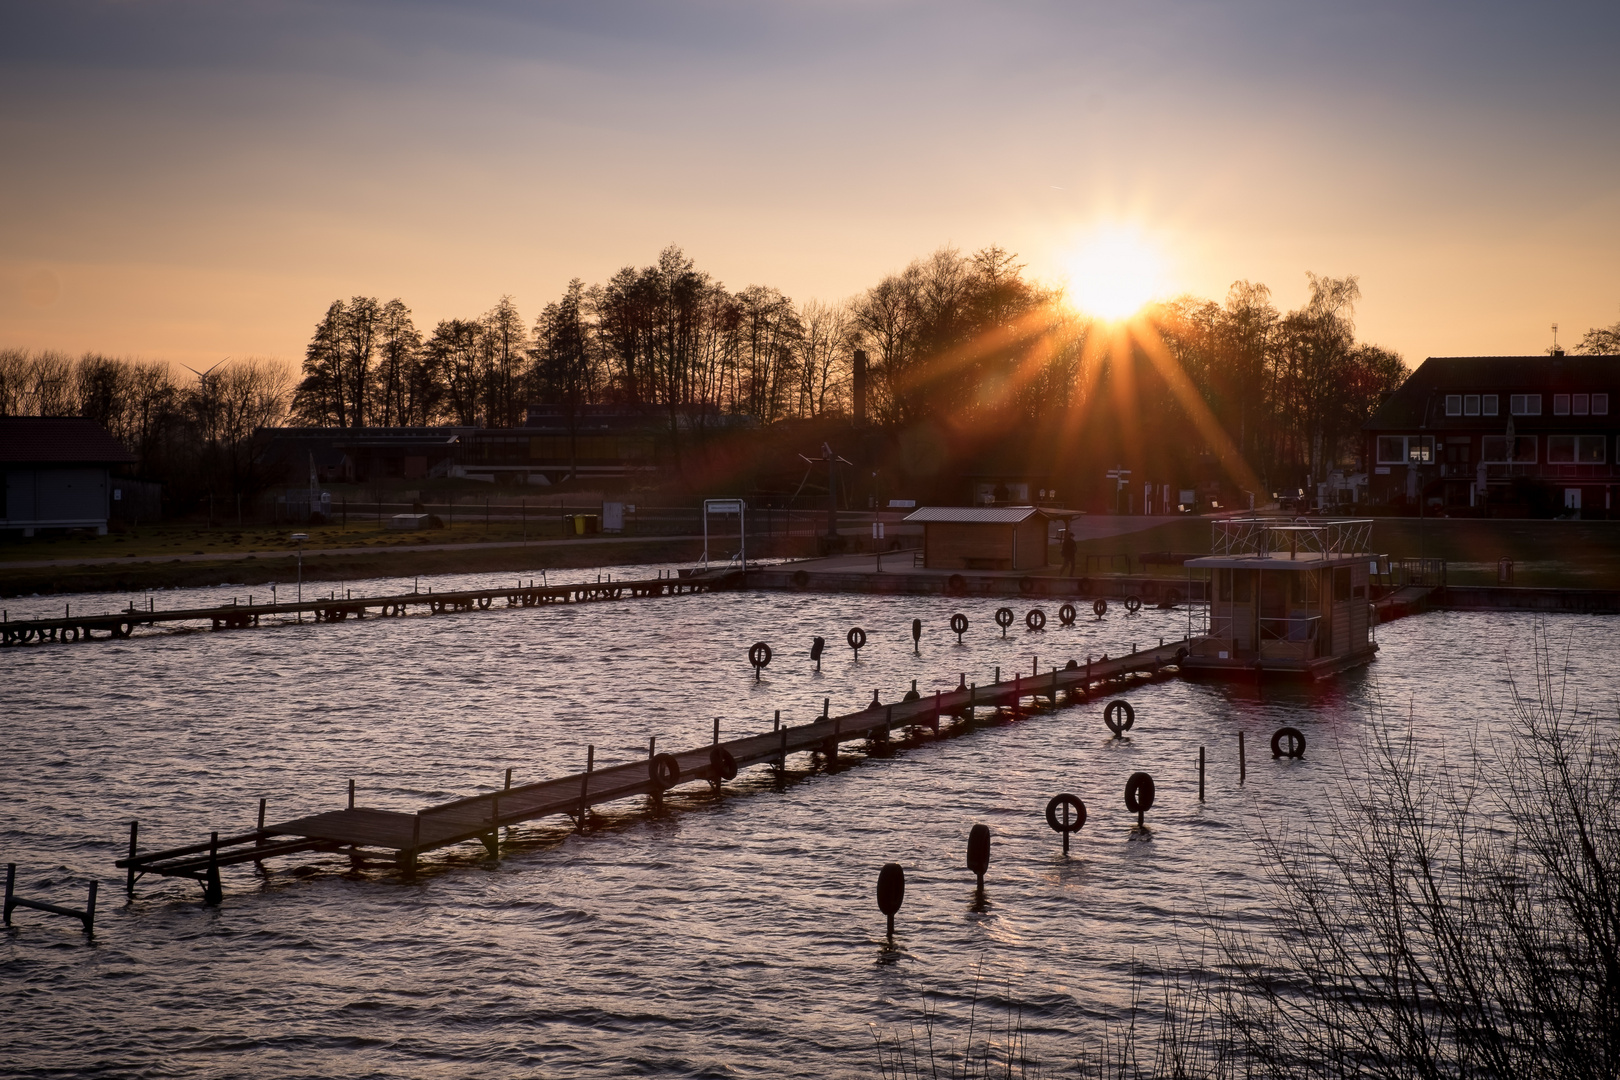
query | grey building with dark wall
[57, 473]
[1508, 436]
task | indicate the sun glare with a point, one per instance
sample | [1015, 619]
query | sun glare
[1114, 272]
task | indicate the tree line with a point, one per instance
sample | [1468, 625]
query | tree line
[968, 337]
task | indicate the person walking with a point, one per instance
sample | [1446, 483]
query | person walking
[1068, 554]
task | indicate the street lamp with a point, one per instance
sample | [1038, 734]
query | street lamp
[300, 537]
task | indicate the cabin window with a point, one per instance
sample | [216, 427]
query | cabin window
[1526, 404]
[1575, 449]
[1454, 405]
[1470, 404]
[1560, 404]
[1391, 450]
[1589, 449]
[1242, 586]
[1487, 404]
[1600, 404]
[1341, 584]
[1497, 450]
[1420, 449]
[1302, 589]
[1359, 591]
[1560, 449]
[1580, 404]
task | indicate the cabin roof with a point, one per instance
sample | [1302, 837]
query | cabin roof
[59, 440]
[1278, 560]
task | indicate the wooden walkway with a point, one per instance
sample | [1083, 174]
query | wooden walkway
[369, 834]
[121, 624]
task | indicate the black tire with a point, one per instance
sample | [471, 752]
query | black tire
[856, 638]
[1036, 619]
[1099, 607]
[1119, 707]
[1133, 604]
[483, 603]
[1139, 793]
[959, 624]
[664, 771]
[723, 764]
[1066, 614]
[759, 655]
[1065, 800]
[1296, 743]
[1004, 617]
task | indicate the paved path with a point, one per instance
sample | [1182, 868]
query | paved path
[235, 556]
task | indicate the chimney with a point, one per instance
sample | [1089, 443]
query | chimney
[859, 388]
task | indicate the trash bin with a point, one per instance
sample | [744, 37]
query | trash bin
[585, 524]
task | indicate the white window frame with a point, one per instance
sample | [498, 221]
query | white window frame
[1470, 404]
[1378, 450]
[1454, 404]
[1580, 404]
[1600, 404]
[1525, 404]
[1487, 404]
[1585, 442]
[1556, 445]
[1416, 443]
[1560, 404]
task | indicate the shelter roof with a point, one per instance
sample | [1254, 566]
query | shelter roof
[978, 515]
[59, 440]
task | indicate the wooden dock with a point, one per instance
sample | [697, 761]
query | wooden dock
[114, 625]
[369, 834]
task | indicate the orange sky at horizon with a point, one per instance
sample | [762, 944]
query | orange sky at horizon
[187, 183]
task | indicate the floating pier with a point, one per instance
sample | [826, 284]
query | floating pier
[121, 624]
[368, 834]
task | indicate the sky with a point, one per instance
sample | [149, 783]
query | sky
[194, 180]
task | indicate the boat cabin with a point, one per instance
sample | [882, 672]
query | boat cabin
[1287, 597]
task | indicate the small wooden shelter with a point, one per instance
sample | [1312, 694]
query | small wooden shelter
[983, 537]
[1287, 597]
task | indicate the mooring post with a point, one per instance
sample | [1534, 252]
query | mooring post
[777, 723]
[509, 779]
[585, 783]
[213, 892]
[351, 793]
[261, 813]
[716, 740]
[1200, 774]
[1243, 763]
[134, 835]
[826, 703]
[998, 674]
[90, 910]
[11, 885]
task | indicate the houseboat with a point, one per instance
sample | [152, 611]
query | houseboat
[1288, 598]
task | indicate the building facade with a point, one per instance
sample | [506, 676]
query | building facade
[54, 473]
[1500, 436]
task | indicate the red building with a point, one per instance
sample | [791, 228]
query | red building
[1507, 436]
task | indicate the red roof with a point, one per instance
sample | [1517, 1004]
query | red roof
[53, 440]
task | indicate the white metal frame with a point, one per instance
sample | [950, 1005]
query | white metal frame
[726, 506]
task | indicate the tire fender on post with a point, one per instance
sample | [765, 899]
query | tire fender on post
[1036, 619]
[1120, 716]
[1296, 743]
[723, 764]
[664, 771]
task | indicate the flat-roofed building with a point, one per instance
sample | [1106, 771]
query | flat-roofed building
[56, 473]
[983, 537]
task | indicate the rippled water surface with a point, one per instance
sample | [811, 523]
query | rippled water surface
[727, 936]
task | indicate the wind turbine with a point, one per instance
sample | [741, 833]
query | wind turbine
[202, 376]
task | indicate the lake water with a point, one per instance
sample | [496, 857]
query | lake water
[725, 936]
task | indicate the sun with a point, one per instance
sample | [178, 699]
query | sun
[1113, 272]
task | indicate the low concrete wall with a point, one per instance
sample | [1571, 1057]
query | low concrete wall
[1504, 598]
[1150, 589]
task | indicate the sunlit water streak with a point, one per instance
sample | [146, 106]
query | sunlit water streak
[728, 936]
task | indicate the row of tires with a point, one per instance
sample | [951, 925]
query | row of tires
[28, 635]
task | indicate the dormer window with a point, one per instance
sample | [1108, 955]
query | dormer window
[1453, 404]
[1525, 404]
[1560, 404]
[1580, 404]
[1470, 404]
[1600, 404]
[1487, 405]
